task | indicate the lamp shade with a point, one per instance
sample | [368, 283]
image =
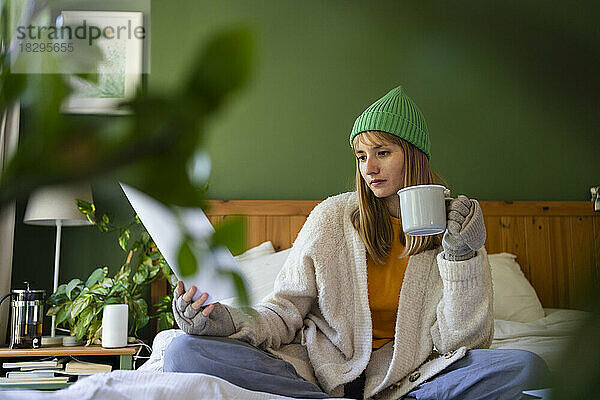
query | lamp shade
[50, 204]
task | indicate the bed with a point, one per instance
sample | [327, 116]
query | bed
[544, 257]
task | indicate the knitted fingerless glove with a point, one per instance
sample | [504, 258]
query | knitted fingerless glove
[465, 233]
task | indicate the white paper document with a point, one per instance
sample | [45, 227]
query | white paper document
[163, 225]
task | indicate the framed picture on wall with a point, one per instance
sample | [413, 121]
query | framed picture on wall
[116, 40]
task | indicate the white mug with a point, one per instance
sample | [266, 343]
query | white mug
[114, 325]
[423, 209]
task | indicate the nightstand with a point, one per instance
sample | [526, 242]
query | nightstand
[125, 355]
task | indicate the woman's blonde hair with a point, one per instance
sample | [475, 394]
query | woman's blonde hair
[372, 218]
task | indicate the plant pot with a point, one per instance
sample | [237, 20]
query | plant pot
[70, 341]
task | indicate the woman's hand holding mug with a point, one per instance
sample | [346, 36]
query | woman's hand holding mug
[465, 233]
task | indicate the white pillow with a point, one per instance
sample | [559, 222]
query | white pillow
[260, 273]
[260, 250]
[514, 297]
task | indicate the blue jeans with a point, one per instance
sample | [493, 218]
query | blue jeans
[480, 374]
[239, 363]
[486, 374]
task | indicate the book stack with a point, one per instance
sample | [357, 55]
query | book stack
[75, 367]
[34, 372]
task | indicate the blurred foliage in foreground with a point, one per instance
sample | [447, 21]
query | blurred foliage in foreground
[156, 149]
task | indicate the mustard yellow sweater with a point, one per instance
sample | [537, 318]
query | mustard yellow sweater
[384, 283]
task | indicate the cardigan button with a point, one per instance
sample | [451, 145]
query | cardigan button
[449, 354]
[414, 376]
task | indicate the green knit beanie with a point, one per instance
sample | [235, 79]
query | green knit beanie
[397, 114]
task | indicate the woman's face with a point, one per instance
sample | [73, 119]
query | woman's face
[382, 163]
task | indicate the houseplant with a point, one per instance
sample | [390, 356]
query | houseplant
[79, 304]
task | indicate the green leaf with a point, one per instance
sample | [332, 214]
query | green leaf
[106, 282]
[103, 287]
[98, 289]
[239, 283]
[58, 297]
[140, 313]
[165, 321]
[104, 223]
[164, 303]
[61, 289]
[72, 285]
[153, 271]
[146, 260]
[85, 320]
[88, 209]
[155, 255]
[230, 234]
[79, 330]
[123, 238]
[113, 300]
[141, 274]
[95, 276]
[54, 310]
[79, 304]
[123, 273]
[119, 289]
[162, 322]
[186, 259]
[166, 270]
[94, 329]
[64, 312]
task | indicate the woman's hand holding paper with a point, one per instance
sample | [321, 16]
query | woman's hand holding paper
[194, 319]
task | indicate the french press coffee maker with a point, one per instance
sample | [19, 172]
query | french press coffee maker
[27, 309]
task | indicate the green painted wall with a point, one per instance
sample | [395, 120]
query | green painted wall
[509, 92]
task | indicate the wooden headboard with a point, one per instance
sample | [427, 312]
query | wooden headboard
[557, 244]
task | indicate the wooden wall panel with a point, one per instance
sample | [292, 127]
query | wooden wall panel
[561, 254]
[278, 230]
[539, 265]
[215, 220]
[583, 267]
[506, 234]
[256, 230]
[541, 208]
[513, 236]
[493, 241]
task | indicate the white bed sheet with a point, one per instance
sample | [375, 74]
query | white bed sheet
[546, 337]
[146, 385]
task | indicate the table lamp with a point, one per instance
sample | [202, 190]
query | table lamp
[57, 206]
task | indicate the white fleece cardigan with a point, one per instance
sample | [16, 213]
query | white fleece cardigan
[318, 316]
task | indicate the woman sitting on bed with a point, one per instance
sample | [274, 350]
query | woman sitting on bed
[360, 309]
